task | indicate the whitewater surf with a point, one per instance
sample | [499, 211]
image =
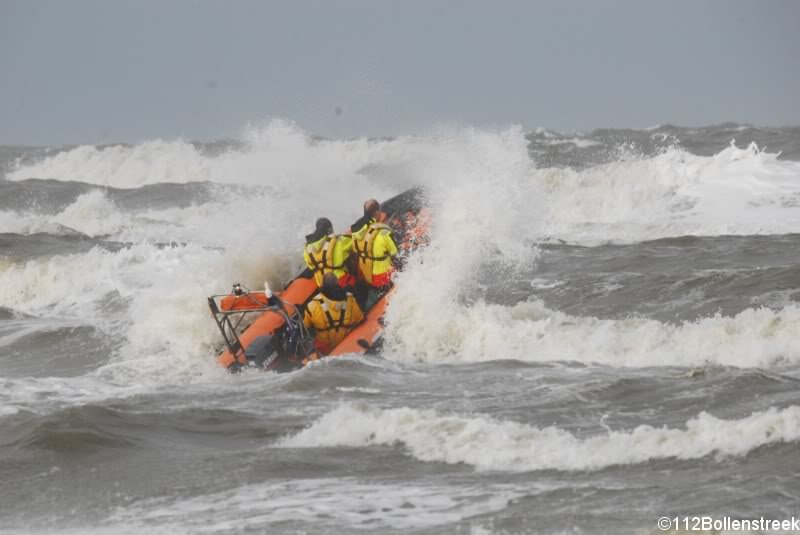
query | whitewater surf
[600, 318]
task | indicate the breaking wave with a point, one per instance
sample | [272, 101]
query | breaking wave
[127, 166]
[489, 444]
[92, 214]
[165, 321]
[484, 176]
[490, 201]
[119, 319]
[674, 193]
[531, 332]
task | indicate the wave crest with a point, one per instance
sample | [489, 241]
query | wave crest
[489, 444]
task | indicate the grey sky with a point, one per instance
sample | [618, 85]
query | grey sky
[94, 71]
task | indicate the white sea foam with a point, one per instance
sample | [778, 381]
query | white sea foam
[8, 410]
[489, 201]
[494, 215]
[166, 325]
[418, 331]
[280, 155]
[47, 394]
[489, 444]
[92, 214]
[358, 389]
[737, 191]
[146, 296]
[579, 142]
[340, 503]
[121, 165]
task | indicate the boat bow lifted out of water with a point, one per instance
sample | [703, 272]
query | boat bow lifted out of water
[265, 330]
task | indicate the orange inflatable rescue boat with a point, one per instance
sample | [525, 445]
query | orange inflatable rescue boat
[265, 331]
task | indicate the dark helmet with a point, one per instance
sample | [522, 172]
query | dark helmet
[324, 225]
[330, 281]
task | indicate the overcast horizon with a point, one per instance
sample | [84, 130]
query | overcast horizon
[96, 72]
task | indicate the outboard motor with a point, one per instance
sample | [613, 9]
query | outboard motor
[261, 353]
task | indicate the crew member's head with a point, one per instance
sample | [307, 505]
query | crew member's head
[330, 282]
[324, 226]
[371, 208]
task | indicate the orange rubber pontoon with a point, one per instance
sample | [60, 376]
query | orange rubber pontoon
[277, 339]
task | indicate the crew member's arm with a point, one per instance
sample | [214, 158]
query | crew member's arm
[385, 246]
[307, 315]
[345, 242]
[356, 315]
[307, 259]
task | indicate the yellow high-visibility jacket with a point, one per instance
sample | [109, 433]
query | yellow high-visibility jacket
[332, 320]
[375, 248]
[328, 254]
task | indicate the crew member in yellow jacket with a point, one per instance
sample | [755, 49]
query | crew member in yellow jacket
[326, 252]
[373, 244]
[332, 313]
